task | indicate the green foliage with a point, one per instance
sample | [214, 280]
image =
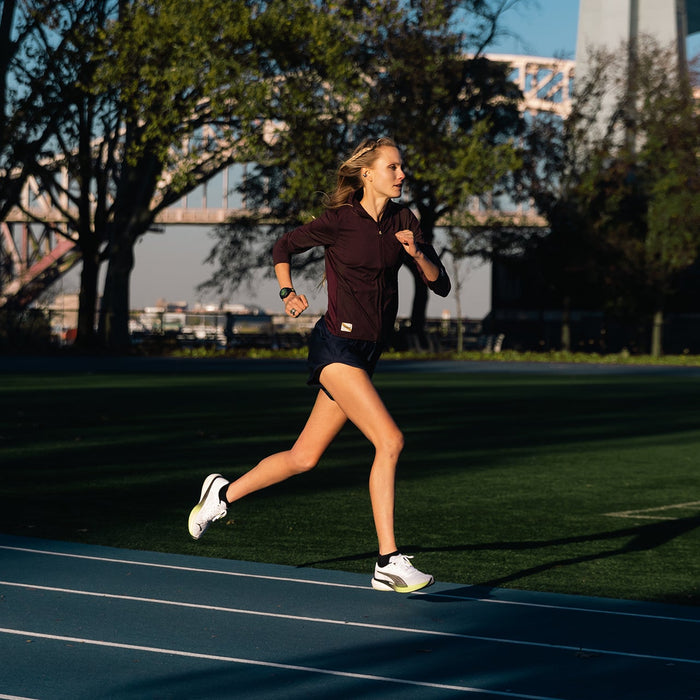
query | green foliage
[196, 65]
[456, 116]
[116, 88]
[506, 356]
[398, 69]
[625, 208]
[24, 331]
[207, 79]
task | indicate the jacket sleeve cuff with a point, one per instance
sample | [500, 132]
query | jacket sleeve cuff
[442, 285]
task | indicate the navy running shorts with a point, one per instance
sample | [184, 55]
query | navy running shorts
[326, 349]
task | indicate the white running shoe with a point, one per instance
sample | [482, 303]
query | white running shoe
[399, 575]
[210, 506]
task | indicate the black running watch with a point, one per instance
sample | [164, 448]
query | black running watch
[286, 291]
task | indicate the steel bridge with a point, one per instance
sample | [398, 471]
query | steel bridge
[36, 247]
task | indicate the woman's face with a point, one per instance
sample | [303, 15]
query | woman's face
[385, 176]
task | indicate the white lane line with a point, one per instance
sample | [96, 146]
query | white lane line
[427, 592]
[272, 664]
[173, 567]
[659, 509]
[347, 623]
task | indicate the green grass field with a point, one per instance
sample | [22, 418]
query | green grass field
[570, 484]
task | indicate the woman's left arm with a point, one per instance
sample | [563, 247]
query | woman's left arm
[433, 271]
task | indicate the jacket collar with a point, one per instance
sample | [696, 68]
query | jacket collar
[354, 201]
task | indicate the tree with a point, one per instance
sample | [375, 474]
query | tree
[21, 133]
[207, 75]
[184, 74]
[625, 215]
[139, 103]
[15, 31]
[30, 39]
[457, 249]
[72, 121]
[37, 75]
[134, 82]
[456, 111]
[405, 72]
[309, 122]
[8, 49]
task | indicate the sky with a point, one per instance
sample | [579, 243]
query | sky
[170, 265]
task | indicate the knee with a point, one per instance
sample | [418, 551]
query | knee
[301, 462]
[392, 444]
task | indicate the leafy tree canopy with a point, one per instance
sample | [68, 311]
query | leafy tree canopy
[411, 70]
[625, 206]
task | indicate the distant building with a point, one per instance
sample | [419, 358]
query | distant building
[612, 24]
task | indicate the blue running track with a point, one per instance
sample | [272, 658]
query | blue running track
[87, 622]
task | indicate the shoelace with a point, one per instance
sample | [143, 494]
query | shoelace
[404, 562]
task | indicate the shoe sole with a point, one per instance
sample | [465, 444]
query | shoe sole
[381, 585]
[190, 522]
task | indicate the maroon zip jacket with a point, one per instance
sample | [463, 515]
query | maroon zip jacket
[363, 258]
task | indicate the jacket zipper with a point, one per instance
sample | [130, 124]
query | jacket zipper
[380, 296]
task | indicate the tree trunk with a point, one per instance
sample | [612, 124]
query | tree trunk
[460, 319]
[87, 338]
[657, 333]
[566, 326]
[114, 311]
[418, 310]
[420, 295]
[133, 217]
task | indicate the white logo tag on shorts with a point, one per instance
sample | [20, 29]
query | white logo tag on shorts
[346, 327]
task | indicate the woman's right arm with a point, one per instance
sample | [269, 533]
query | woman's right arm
[315, 233]
[294, 304]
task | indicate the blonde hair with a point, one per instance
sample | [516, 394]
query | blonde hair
[350, 170]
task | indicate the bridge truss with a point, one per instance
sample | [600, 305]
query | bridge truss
[36, 247]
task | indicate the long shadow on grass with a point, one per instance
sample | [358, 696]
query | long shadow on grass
[641, 538]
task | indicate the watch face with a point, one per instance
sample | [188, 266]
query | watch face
[285, 292]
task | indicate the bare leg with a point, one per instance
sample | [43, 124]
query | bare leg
[324, 423]
[357, 398]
